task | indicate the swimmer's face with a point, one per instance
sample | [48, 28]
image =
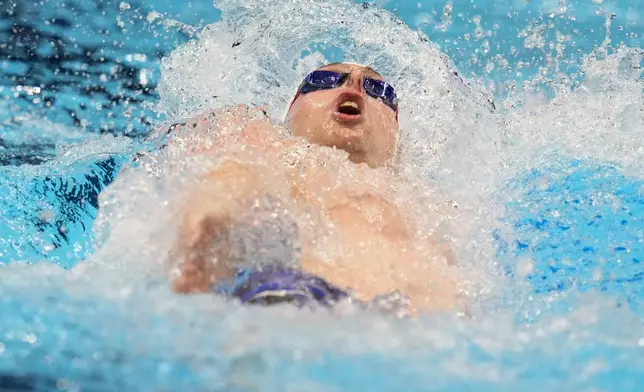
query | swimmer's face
[347, 118]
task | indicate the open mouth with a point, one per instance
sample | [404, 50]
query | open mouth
[349, 108]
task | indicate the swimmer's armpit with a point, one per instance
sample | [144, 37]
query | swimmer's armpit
[201, 255]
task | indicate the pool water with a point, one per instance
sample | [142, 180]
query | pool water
[551, 179]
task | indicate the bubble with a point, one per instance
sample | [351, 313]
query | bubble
[47, 215]
[153, 16]
[525, 267]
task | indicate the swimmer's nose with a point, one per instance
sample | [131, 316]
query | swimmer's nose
[356, 80]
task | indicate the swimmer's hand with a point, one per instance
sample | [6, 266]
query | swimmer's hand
[201, 255]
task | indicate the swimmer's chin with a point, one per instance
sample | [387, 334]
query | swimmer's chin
[356, 152]
[350, 140]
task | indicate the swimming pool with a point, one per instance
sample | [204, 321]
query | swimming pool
[82, 85]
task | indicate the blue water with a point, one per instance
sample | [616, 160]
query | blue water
[97, 66]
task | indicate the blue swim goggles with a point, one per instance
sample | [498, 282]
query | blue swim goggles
[324, 80]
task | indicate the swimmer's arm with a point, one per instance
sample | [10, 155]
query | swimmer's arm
[201, 252]
[226, 190]
[215, 130]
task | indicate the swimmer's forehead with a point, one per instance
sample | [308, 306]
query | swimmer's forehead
[345, 68]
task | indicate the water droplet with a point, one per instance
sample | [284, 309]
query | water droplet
[47, 215]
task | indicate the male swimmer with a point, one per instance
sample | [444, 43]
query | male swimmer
[342, 106]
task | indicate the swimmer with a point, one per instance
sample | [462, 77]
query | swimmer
[341, 106]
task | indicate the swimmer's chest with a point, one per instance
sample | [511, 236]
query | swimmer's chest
[358, 211]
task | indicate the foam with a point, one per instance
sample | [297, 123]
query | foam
[600, 119]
